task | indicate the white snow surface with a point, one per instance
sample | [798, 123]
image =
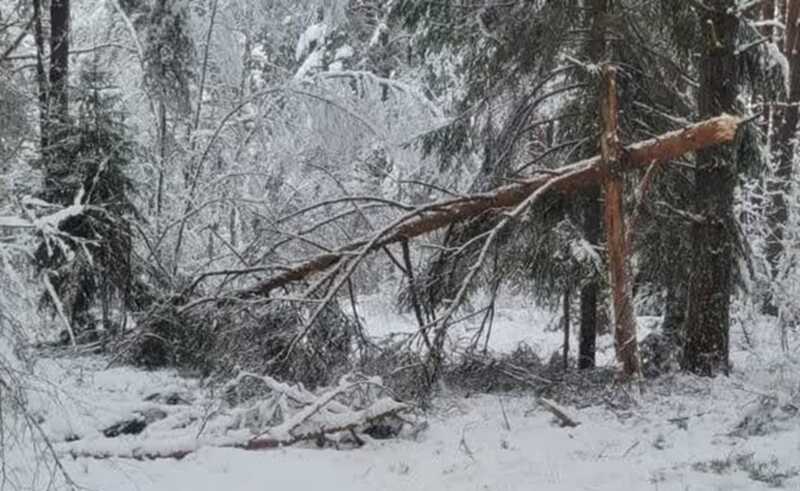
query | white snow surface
[680, 435]
[313, 34]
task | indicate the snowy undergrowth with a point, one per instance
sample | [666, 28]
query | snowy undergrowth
[682, 433]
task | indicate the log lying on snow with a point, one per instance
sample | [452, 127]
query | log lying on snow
[179, 447]
[313, 417]
[570, 178]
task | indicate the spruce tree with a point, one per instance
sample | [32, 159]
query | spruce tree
[93, 255]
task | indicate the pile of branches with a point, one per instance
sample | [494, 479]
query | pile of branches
[258, 412]
[217, 339]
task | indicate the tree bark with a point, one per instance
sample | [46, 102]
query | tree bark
[59, 58]
[41, 76]
[627, 346]
[675, 314]
[566, 305]
[55, 102]
[579, 176]
[784, 145]
[768, 15]
[592, 213]
[713, 234]
[592, 216]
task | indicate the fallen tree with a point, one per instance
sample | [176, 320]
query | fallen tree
[568, 179]
[334, 268]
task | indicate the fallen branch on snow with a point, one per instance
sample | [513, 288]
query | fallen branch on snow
[316, 417]
[559, 412]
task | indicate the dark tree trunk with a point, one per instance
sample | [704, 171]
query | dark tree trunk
[675, 313]
[713, 237]
[162, 159]
[766, 92]
[41, 75]
[767, 14]
[56, 102]
[592, 218]
[565, 306]
[59, 59]
[592, 213]
[783, 145]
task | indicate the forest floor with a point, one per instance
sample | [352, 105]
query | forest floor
[682, 432]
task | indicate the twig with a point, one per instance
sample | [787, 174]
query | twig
[462, 444]
[636, 444]
[506, 423]
[558, 412]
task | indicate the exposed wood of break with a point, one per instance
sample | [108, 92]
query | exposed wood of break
[426, 219]
[627, 349]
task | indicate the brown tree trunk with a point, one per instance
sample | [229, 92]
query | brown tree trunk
[713, 235]
[626, 344]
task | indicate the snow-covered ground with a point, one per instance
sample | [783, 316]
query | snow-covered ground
[683, 433]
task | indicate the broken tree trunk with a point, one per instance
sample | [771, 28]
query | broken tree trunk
[568, 179]
[627, 347]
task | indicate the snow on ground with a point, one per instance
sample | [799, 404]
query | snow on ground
[682, 434]
[516, 321]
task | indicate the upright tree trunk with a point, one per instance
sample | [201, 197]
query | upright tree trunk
[592, 213]
[41, 75]
[565, 306]
[713, 236]
[162, 159]
[674, 323]
[592, 218]
[768, 15]
[768, 123]
[625, 342]
[783, 145]
[59, 59]
[57, 104]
